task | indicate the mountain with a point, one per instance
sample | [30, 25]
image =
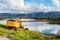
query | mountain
[11, 15]
[30, 15]
[44, 15]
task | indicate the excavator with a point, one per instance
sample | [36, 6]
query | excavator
[14, 23]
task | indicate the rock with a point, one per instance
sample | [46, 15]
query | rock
[3, 38]
[26, 28]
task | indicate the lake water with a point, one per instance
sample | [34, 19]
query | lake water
[43, 27]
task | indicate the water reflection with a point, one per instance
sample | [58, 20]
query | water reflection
[43, 27]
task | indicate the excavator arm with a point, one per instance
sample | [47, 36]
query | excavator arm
[20, 21]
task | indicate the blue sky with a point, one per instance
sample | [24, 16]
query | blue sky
[48, 5]
[32, 5]
[45, 2]
[37, 2]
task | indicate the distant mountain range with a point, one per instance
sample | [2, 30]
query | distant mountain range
[11, 15]
[44, 15]
[30, 15]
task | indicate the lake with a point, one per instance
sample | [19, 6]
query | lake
[43, 27]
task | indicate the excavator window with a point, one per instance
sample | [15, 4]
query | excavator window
[12, 20]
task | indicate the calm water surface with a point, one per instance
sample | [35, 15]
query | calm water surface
[43, 27]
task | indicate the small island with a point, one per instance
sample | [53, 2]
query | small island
[51, 20]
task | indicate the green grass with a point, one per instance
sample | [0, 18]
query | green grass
[23, 34]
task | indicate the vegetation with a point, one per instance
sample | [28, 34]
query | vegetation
[24, 34]
[51, 20]
[54, 20]
[2, 18]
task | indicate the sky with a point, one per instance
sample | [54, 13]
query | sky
[27, 6]
[43, 5]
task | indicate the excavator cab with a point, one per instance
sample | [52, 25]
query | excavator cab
[12, 23]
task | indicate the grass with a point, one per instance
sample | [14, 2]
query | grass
[23, 34]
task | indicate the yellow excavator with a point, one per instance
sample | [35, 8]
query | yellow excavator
[14, 23]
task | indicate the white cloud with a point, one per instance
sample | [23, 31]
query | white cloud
[39, 8]
[11, 6]
[19, 6]
[29, 8]
[14, 3]
[42, 7]
[56, 3]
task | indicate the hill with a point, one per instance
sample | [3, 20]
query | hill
[11, 15]
[44, 15]
[30, 15]
[24, 34]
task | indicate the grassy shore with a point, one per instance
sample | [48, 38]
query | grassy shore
[23, 34]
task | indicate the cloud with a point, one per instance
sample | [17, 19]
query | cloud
[13, 3]
[18, 6]
[29, 8]
[56, 3]
[42, 7]
[38, 8]
[11, 6]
